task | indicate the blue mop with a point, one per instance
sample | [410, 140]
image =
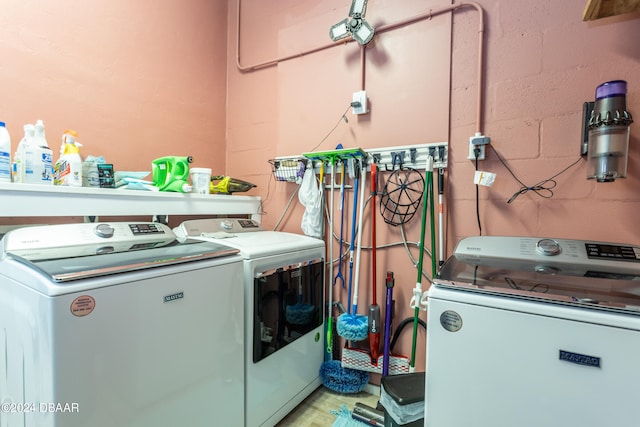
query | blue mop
[342, 380]
[351, 325]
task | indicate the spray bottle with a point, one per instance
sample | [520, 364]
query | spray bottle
[171, 173]
[68, 168]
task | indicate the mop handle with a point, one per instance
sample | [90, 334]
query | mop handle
[441, 215]
[356, 186]
[374, 189]
[329, 332]
[387, 324]
[363, 177]
[434, 267]
[417, 292]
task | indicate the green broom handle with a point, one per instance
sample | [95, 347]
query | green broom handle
[416, 314]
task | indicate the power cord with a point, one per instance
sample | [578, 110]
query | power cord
[342, 117]
[543, 188]
[476, 153]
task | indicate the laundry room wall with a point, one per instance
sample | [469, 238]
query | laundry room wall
[541, 63]
[297, 106]
[136, 80]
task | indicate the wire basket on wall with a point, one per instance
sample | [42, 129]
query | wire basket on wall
[288, 170]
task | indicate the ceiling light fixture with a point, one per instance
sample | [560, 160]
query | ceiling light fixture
[355, 25]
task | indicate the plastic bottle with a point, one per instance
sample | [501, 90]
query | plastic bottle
[19, 161]
[39, 151]
[5, 154]
[68, 169]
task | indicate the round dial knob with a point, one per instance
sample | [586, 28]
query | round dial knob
[548, 247]
[104, 230]
[227, 225]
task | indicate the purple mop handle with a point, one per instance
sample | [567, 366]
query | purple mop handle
[387, 324]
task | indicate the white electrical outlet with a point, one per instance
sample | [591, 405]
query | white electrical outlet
[472, 154]
[478, 141]
[359, 103]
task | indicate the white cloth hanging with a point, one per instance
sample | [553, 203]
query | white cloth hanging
[311, 198]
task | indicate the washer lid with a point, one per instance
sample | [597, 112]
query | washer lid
[68, 252]
[84, 267]
[573, 272]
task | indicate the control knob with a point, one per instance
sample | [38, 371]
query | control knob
[104, 231]
[548, 247]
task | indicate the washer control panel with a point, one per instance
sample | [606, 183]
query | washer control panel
[68, 240]
[613, 252]
[550, 253]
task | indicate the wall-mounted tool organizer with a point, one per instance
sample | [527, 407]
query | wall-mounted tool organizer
[410, 156]
[291, 168]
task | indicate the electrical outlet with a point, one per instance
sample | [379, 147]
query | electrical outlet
[478, 141]
[472, 154]
[359, 103]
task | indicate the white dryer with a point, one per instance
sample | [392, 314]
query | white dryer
[284, 300]
[115, 324]
[534, 332]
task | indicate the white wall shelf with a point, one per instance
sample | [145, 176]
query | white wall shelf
[24, 200]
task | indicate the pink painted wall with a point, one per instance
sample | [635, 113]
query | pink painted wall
[139, 80]
[136, 80]
[541, 63]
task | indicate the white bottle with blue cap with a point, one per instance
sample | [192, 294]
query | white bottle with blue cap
[5, 154]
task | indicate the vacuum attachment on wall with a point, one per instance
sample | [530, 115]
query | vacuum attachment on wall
[608, 142]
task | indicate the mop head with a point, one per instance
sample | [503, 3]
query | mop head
[342, 380]
[299, 314]
[353, 327]
[344, 418]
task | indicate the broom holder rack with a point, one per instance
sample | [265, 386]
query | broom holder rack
[388, 159]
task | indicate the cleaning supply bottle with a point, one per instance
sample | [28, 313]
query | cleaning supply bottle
[5, 154]
[26, 155]
[42, 172]
[19, 160]
[68, 168]
[171, 173]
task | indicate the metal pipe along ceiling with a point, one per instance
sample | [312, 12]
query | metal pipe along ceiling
[384, 28]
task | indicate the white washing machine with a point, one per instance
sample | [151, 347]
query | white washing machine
[534, 332]
[284, 284]
[115, 324]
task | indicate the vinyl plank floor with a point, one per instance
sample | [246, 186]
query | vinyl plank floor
[314, 411]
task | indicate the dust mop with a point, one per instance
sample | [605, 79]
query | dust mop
[332, 374]
[416, 301]
[351, 325]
